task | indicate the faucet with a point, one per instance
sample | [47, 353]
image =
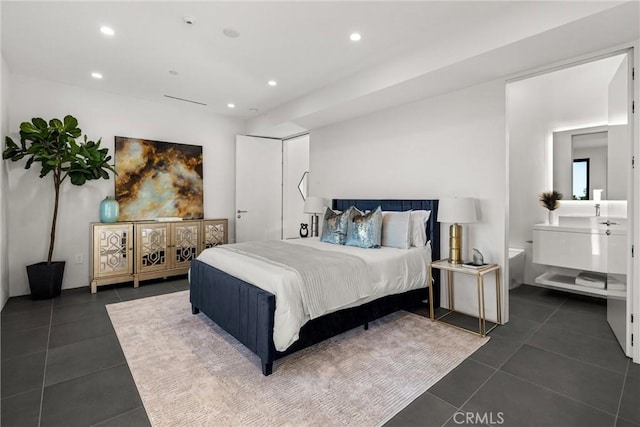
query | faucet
[597, 206]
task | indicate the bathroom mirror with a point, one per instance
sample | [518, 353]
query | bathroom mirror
[582, 163]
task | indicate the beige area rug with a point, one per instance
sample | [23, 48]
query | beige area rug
[189, 372]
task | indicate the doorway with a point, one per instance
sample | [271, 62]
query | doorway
[271, 185]
[542, 110]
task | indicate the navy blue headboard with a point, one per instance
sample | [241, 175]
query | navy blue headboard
[433, 227]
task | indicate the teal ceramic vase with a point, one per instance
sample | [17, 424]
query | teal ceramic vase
[109, 210]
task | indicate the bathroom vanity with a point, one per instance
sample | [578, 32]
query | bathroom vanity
[589, 253]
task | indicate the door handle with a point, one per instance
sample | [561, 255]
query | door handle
[608, 223]
[239, 211]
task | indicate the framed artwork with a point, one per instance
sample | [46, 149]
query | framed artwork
[158, 179]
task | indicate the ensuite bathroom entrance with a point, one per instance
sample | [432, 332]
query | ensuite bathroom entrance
[574, 127]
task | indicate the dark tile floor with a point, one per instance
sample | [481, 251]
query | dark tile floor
[555, 363]
[62, 364]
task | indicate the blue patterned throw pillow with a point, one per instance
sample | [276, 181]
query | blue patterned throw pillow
[365, 230]
[334, 226]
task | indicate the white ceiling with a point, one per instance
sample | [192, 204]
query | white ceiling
[303, 45]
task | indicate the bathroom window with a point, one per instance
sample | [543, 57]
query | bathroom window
[580, 179]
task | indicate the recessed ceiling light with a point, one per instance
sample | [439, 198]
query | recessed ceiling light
[355, 37]
[173, 72]
[231, 105]
[107, 31]
[96, 75]
[272, 83]
[231, 33]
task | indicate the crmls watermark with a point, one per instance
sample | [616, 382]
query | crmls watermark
[487, 418]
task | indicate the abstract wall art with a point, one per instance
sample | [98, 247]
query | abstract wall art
[158, 179]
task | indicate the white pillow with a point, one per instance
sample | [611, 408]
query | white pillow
[396, 229]
[419, 227]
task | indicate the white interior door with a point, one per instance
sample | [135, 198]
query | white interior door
[258, 188]
[619, 185]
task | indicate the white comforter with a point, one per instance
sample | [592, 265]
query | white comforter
[390, 271]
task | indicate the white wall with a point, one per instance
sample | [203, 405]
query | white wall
[536, 107]
[450, 145]
[295, 162]
[103, 115]
[5, 84]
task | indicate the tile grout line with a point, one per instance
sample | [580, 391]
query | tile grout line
[575, 359]
[568, 308]
[119, 415]
[546, 388]
[91, 373]
[22, 355]
[82, 340]
[581, 334]
[580, 313]
[530, 301]
[498, 369]
[44, 373]
[624, 383]
[11, 396]
[559, 394]
[574, 332]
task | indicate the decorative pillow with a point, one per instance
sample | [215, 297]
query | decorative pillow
[334, 226]
[419, 227]
[365, 230]
[395, 229]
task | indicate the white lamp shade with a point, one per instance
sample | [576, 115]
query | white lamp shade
[457, 210]
[314, 205]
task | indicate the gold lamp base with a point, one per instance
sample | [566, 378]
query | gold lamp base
[455, 244]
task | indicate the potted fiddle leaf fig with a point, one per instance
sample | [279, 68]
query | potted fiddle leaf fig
[55, 148]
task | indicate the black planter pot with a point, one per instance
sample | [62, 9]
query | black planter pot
[45, 280]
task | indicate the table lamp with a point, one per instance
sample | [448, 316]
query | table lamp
[314, 206]
[456, 211]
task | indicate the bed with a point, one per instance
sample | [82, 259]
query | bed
[249, 311]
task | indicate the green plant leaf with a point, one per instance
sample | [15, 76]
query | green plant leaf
[38, 122]
[11, 149]
[29, 162]
[28, 127]
[55, 123]
[45, 170]
[9, 142]
[71, 124]
[77, 178]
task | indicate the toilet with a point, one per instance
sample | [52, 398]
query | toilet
[516, 267]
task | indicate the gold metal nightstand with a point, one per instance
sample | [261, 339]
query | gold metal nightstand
[479, 273]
